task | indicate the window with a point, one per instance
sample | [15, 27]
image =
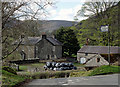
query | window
[98, 59]
[23, 55]
[36, 48]
[82, 60]
[86, 54]
[53, 48]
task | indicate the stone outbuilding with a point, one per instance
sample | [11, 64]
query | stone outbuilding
[93, 56]
[43, 48]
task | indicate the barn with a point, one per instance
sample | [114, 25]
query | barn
[93, 56]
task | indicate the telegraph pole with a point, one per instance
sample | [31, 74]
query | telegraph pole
[107, 29]
[109, 44]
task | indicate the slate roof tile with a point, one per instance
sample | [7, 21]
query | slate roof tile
[100, 49]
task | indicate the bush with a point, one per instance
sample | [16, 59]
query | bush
[9, 69]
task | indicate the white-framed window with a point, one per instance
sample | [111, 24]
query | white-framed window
[82, 60]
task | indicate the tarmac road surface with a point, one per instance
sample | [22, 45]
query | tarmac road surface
[89, 81]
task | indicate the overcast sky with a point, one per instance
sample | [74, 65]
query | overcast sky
[65, 10]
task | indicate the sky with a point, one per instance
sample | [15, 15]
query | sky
[62, 10]
[65, 10]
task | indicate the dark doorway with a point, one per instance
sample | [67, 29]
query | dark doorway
[98, 59]
[48, 57]
[23, 55]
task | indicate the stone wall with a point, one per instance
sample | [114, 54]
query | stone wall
[45, 50]
[83, 55]
[28, 50]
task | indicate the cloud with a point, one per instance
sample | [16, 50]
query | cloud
[65, 14]
[72, 0]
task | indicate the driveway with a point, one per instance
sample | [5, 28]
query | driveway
[89, 81]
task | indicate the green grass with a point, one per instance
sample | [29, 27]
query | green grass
[26, 66]
[38, 64]
[23, 67]
[105, 70]
[78, 64]
[10, 79]
[47, 74]
[102, 70]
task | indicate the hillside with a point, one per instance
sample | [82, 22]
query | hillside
[51, 25]
[37, 27]
[47, 26]
[90, 28]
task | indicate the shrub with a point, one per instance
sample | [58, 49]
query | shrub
[9, 69]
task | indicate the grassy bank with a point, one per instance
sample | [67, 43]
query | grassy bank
[105, 70]
[9, 79]
[102, 70]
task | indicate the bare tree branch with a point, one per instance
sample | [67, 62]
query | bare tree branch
[12, 50]
[96, 8]
[12, 11]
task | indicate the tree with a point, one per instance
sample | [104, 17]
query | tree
[89, 29]
[23, 10]
[12, 13]
[69, 40]
[95, 8]
[99, 13]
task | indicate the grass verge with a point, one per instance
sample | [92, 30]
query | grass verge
[105, 70]
[102, 70]
[10, 79]
[45, 75]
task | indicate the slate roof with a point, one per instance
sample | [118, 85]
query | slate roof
[100, 49]
[54, 41]
[35, 40]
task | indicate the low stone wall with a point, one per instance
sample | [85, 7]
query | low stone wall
[25, 61]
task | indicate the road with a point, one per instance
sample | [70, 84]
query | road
[105, 80]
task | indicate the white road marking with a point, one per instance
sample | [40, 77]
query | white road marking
[70, 80]
[61, 82]
[64, 84]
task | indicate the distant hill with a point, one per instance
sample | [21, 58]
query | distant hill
[51, 25]
[36, 27]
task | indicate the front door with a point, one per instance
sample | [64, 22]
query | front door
[23, 55]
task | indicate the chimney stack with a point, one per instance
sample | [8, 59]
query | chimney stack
[44, 35]
[53, 36]
[87, 41]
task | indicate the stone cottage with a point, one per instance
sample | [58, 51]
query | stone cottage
[93, 56]
[40, 47]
